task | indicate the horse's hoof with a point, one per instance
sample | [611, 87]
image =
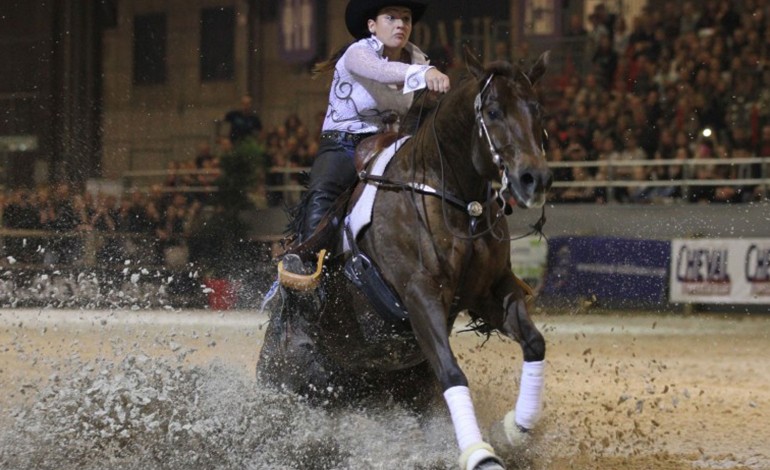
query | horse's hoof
[480, 456]
[510, 441]
[491, 463]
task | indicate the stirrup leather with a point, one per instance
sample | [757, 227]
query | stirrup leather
[302, 282]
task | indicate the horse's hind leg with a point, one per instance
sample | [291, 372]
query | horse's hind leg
[289, 358]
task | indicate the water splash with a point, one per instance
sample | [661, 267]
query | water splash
[144, 413]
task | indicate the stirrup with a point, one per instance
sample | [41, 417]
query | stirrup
[302, 282]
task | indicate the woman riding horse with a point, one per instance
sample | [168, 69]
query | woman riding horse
[438, 235]
[374, 77]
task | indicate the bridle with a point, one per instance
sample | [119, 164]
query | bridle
[482, 125]
[497, 160]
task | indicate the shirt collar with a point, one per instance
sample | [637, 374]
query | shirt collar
[417, 55]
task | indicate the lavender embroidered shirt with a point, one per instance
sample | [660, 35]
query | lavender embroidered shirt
[366, 86]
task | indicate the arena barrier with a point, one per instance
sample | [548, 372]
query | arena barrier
[620, 256]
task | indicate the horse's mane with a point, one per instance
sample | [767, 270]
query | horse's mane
[425, 102]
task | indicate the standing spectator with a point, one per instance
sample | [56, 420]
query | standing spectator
[658, 172]
[244, 122]
[60, 216]
[172, 174]
[584, 193]
[670, 21]
[575, 28]
[605, 61]
[203, 154]
[292, 124]
[20, 214]
[689, 18]
[591, 93]
[649, 122]
[103, 221]
[763, 147]
[631, 152]
[155, 222]
[556, 155]
[621, 38]
[605, 17]
[703, 193]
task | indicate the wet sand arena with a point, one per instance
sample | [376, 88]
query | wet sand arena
[176, 390]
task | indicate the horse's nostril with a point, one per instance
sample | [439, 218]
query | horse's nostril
[536, 180]
[527, 180]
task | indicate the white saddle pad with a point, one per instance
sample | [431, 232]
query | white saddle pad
[361, 214]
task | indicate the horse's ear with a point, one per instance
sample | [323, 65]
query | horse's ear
[472, 62]
[538, 69]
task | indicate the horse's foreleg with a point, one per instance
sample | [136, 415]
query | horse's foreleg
[517, 324]
[428, 314]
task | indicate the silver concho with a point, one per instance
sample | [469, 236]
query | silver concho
[475, 209]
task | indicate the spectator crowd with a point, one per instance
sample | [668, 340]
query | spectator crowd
[153, 224]
[686, 82]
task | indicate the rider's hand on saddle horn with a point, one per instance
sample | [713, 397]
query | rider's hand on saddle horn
[437, 81]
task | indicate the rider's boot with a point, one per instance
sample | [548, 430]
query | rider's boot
[316, 206]
[292, 270]
[333, 172]
[318, 203]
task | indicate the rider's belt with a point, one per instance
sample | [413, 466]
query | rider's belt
[339, 136]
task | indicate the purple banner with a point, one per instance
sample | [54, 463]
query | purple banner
[297, 37]
[608, 271]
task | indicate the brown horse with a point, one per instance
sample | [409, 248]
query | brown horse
[439, 239]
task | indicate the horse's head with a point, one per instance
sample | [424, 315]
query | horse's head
[510, 130]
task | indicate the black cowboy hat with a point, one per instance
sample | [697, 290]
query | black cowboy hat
[359, 11]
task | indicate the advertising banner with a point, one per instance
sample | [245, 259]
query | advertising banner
[608, 271]
[529, 258]
[730, 271]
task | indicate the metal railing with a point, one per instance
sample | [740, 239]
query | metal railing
[292, 191]
[687, 181]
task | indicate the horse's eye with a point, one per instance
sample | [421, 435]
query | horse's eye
[494, 114]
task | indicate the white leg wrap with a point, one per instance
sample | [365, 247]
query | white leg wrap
[458, 399]
[529, 404]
